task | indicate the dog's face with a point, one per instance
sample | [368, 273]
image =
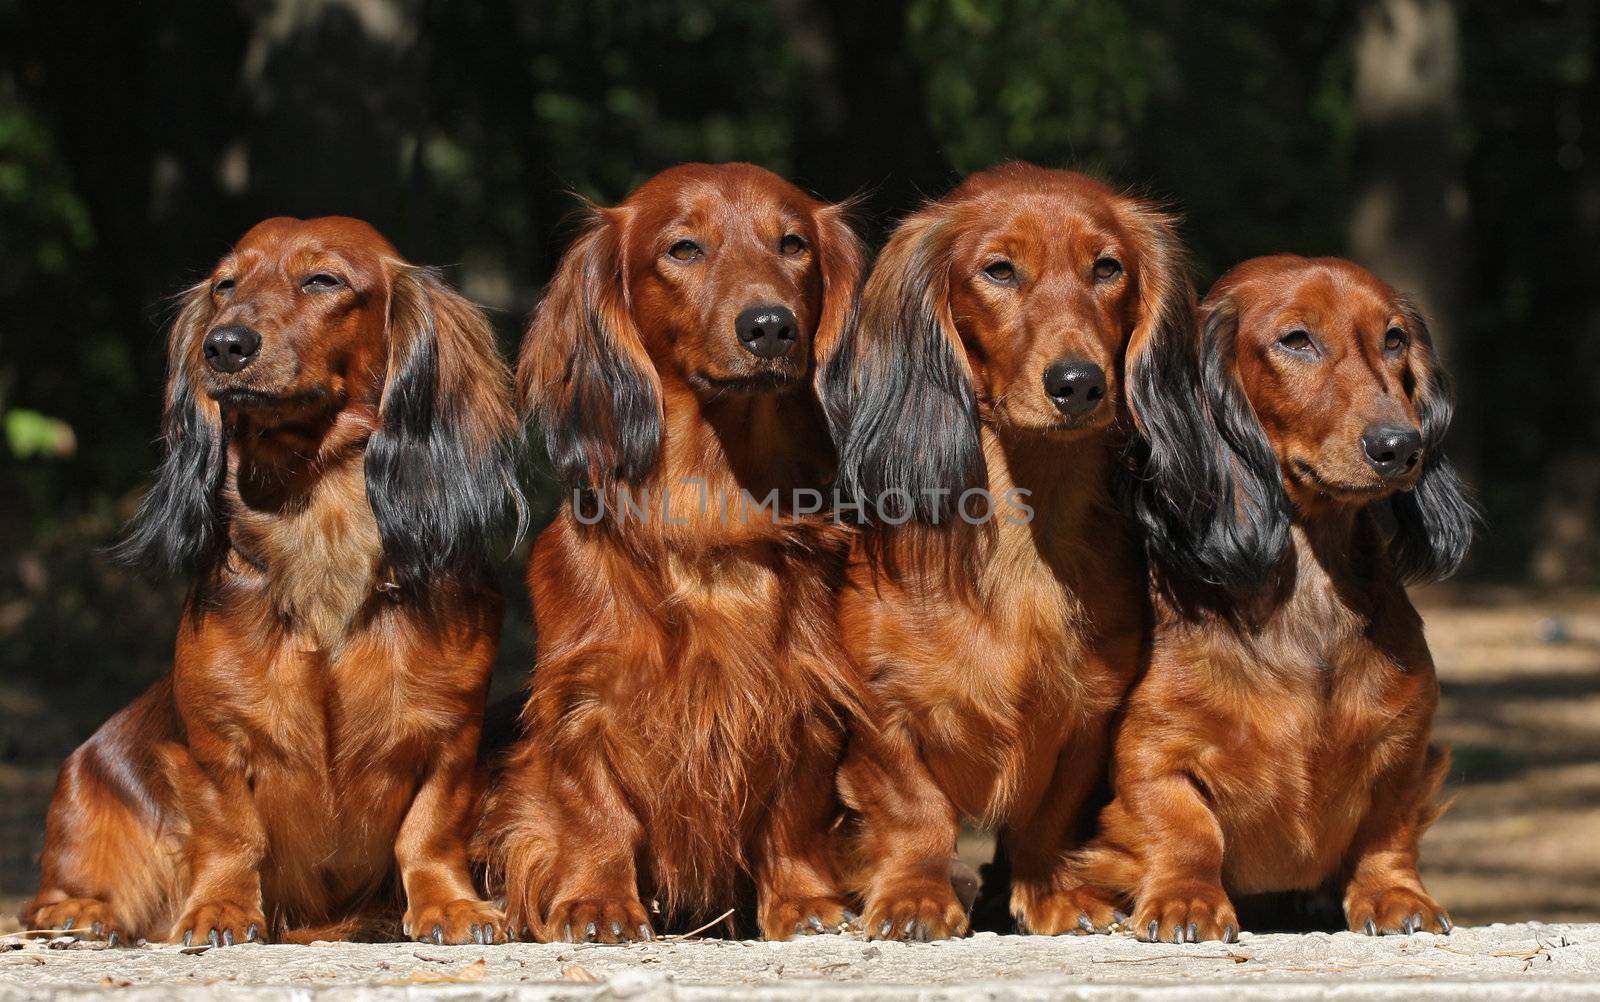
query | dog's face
[1333, 361]
[724, 275]
[297, 318]
[1043, 292]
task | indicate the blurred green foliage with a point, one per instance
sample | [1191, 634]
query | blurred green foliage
[136, 141]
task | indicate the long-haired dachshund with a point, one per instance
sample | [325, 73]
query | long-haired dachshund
[1279, 739]
[685, 717]
[998, 630]
[338, 432]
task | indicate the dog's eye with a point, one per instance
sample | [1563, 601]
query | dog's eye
[791, 245]
[1002, 272]
[223, 286]
[685, 250]
[321, 281]
[1298, 341]
[1394, 339]
[1107, 268]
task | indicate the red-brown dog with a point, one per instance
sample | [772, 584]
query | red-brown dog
[686, 710]
[1279, 739]
[998, 332]
[338, 430]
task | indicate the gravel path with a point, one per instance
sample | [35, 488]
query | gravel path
[1543, 962]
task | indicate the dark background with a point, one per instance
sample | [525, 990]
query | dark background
[1452, 147]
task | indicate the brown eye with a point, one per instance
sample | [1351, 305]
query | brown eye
[223, 286]
[321, 282]
[791, 245]
[1394, 339]
[1107, 268]
[685, 250]
[1002, 272]
[1299, 342]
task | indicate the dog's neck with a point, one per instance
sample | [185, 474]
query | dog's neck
[302, 525]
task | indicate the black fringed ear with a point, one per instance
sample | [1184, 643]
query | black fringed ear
[584, 375]
[897, 391]
[178, 525]
[1434, 521]
[441, 469]
[1209, 491]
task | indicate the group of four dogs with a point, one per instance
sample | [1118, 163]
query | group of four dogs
[1120, 575]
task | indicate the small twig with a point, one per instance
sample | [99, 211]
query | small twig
[702, 929]
[1237, 958]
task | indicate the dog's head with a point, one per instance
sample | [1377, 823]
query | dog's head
[312, 336]
[725, 279]
[1023, 299]
[1318, 387]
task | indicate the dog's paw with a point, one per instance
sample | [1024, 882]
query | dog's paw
[455, 923]
[1080, 910]
[599, 920]
[87, 918]
[1186, 913]
[220, 923]
[785, 918]
[916, 912]
[1395, 911]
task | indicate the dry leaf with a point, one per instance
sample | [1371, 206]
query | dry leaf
[472, 972]
[109, 982]
[577, 972]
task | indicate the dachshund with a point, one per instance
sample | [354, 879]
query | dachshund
[996, 602]
[340, 451]
[1279, 740]
[687, 706]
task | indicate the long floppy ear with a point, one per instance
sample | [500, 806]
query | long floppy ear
[178, 525]
[584, 374]
[441, 468]
[1434, 520]
[897, 390]
[842, 263]
[1208, 492]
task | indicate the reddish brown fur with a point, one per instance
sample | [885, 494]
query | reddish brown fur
[687, 705]
[315, 743]
[1284, 745]
[993, 694]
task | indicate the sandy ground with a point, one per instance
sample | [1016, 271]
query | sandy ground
[1521, 707]
[1502, 962]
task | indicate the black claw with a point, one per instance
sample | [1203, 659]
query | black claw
[589, 933]
[251, 933]
[646, 933]
[1194, 933]
[616, 931]
[96, 928]
[68, 923]
[438, 934]
[1085, 924]
[214, 938]
[112, 939]
[815, 923]
[1118, 917]
[1444, 923]
[849, 916]
[1155, 928]
[227, 937]
[883, 931]
[1229, 933]
[1177, 933]
[188, 936]
[477, 933]
[1372, 928]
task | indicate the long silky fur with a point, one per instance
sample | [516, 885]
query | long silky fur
[441, 471]
[598, 406]
[1208, 491]
[1434, 521]
[179, 521]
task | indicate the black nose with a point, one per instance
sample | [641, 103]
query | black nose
[1076, 385]
[231, 348]
[1392, 450]
[767, 330]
